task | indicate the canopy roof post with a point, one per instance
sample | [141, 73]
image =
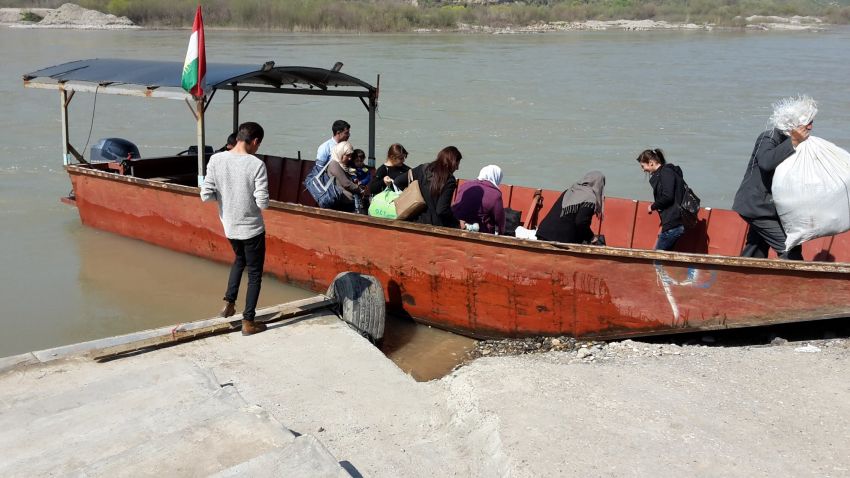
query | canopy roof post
[235, 111]
[372, 107]
[63, 100]
[199, 107]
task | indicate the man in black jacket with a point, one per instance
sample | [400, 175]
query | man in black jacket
[792, 119]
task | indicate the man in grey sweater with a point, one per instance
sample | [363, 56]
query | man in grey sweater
[237, 180]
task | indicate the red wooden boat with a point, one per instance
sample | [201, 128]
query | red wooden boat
[475, 284]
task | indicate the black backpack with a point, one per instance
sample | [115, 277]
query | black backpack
[512, 221]
[689, 206]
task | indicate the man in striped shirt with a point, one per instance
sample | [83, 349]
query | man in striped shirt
[237, 181]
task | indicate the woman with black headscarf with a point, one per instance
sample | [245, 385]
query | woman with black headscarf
[569, 219]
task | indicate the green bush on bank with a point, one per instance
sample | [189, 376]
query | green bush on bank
[401, 15]
[28, 16]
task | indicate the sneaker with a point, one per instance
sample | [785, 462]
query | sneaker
[228, 310]
[250, 327]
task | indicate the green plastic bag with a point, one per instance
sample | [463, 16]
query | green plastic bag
[383, 205]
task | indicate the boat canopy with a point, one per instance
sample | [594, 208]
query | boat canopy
[162, 79]
[115, 75]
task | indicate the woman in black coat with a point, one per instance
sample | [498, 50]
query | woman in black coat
[392, 168]
[437, 185]
[668, 187]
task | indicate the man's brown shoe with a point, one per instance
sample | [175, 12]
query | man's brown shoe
[249, 327]
[228, 310]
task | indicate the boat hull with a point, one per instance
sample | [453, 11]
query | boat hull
[481, 285]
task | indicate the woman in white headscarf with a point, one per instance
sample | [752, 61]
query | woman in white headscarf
[569, 219]
[338, 169]
[479, 201]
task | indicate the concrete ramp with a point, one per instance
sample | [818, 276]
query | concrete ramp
[305, 457]
[168, 419]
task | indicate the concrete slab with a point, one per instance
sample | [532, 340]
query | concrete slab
[304, 457]
[8, 363]
[316, 376]
[721, 411]
[89, 419]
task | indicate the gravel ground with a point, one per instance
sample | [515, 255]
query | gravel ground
[819, 334]
[589, 351]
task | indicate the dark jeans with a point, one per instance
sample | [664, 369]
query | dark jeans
[768, 233]
[343, 206]
[667, 239]
[250, 253]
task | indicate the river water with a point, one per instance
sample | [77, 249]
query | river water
[545, 107]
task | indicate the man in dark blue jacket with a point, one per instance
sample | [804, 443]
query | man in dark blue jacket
[792, 118]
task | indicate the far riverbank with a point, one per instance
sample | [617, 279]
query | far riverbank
[72, 16]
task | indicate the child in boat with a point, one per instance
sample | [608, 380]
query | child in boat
[359, 171]
[668, 188]
[569, 219]
[231, 142]
[361, 176]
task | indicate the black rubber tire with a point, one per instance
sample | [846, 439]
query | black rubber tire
[360, 302]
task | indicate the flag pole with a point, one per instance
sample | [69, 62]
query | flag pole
[201, 132]
[193, 79]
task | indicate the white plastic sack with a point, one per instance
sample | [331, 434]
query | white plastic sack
[811, 191]
[524, 233]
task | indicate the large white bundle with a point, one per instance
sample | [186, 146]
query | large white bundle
[811, 190]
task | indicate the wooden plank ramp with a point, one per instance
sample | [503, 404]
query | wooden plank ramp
[115, 346]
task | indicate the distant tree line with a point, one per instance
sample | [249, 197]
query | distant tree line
[405, 15]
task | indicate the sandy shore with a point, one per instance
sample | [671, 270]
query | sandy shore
[795, 23]
[68, 15]
[620, 409]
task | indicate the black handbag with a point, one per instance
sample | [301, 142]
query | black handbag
[512, 221]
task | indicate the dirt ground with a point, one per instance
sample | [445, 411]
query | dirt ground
[642, 409]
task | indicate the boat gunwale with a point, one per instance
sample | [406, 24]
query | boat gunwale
[511, 242]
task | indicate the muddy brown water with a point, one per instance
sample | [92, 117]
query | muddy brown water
[422, 351]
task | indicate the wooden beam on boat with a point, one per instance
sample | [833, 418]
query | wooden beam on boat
[110, 90]
[291, 91]
[76, 154]
[164, 336]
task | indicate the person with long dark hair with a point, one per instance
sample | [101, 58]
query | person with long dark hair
[437, 185]
[668, 187]
[570, 217]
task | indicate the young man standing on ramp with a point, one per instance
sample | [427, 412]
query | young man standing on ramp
[237, 181]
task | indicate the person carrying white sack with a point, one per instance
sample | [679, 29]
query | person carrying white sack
[792, 121]
[810, 191]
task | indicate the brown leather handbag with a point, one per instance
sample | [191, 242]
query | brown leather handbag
[410, 202]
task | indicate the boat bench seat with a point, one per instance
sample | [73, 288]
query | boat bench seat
[174, 178]
[167, 167]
